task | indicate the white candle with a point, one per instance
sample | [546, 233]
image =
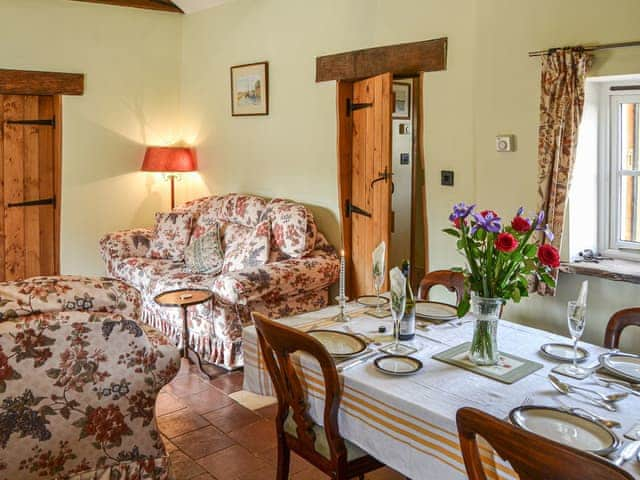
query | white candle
[342, 272]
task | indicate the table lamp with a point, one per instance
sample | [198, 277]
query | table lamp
[171, 161]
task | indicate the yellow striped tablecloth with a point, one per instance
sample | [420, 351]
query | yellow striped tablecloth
[408, 423]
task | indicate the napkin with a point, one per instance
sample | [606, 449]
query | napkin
[398, 288]
[378, 258]
[582, 296]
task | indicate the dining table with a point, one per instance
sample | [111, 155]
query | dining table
[409, 422]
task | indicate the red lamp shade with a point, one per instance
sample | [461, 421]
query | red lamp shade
[169, 159]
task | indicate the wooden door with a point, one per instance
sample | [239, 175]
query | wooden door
[365, 171]
[28, 186]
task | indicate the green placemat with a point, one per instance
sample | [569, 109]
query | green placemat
[509, 369]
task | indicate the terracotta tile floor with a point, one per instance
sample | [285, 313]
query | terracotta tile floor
[210, 436]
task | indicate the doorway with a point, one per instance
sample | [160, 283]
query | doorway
[381, 176]
[29, 185]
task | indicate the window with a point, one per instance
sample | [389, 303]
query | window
[604, 200]
[624, 115]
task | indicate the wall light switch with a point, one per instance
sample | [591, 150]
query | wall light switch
[506, 143]
[404, 159]
[446, 178]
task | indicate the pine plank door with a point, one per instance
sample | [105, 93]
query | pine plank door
[28, 221]
[370, 162]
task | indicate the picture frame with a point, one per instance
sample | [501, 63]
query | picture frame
[401, 101]
[250, 89]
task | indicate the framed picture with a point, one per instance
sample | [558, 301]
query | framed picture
[402, 101]
[250, 89]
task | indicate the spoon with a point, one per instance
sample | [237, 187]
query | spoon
[567, 389]
[604, 421]
[611, 397]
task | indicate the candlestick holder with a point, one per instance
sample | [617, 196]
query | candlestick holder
[341, 316]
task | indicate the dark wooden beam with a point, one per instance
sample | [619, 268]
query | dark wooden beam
[162, 5]
[402, 59]
[27, 82]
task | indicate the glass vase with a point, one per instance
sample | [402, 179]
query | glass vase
[484, 346]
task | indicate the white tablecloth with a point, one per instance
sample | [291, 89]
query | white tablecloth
[408, 423]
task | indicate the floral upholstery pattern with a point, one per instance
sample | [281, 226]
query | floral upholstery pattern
[78, 381]
[292, 277]
[251, 250]
[171, 235]
[125, 244]
[204, 254]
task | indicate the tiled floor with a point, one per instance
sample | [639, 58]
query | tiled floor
[210, 436]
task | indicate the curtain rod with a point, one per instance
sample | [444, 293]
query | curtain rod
[540, 53]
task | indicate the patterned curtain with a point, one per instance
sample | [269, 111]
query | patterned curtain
[561, 103]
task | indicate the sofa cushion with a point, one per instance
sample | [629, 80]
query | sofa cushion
[171, 235]
[246, 210]
[207, 212]
[204, 254]
[245, 247]
[140, 271]
[293, 228]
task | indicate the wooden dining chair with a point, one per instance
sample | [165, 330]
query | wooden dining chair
[532, 457]
[618, 322]
[323, 447]
[452, 281]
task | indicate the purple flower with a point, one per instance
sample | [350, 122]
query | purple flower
[540, 218]
[547, 231]
[461, 211]
[489, 222]
[520, 212]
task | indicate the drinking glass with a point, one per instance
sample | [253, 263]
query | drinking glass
[378, 280]
[398, 304]
[576, 318]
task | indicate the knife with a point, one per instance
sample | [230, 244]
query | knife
[631, 387]
[629, 451]
[352, 363]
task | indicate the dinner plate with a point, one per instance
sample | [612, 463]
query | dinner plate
[436, 310]
[562, 352]
[339, 344]
[565, 428]
[398, 365]
[624, 365]
[372, 300]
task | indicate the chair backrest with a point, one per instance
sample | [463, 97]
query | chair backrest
[532, 457]
[278, 343]
[618, 322]
[452, 281]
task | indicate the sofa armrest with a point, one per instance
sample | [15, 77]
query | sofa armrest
[125, 244]
[85, 380]
[318, 270]
[68, 293]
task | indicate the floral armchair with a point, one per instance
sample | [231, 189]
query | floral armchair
[296, 278]
[79, 378]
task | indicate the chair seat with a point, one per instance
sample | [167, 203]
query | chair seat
[321, 444]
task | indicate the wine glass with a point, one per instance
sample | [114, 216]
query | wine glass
[378, 280]
[398, 304]
[576, 318]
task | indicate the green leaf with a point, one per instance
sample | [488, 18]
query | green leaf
[464, 306]
[530, 250]
[452, 231]
[515, 294]
[546, 278]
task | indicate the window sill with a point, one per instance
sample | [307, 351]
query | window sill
[617, 270]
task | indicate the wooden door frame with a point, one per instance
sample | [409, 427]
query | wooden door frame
[402, 60]
[55, 84]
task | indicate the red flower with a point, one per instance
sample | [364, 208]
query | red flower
[484, 213]
[521, 224]
[549, 255]
[107, 424]
[458, 223]
[6, 372]
[505, 242]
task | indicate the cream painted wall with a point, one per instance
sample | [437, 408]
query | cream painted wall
[490, 86]
[292, 152]
[130, 58]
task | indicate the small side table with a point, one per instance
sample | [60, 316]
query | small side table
[185, 298]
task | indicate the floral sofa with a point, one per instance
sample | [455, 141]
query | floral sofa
[296, 278]
[78, 381]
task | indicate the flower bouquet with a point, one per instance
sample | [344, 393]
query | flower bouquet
[500, 259]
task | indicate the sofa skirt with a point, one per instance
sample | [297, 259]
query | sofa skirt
[215, 328]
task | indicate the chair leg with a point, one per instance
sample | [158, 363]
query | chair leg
[284, 455]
